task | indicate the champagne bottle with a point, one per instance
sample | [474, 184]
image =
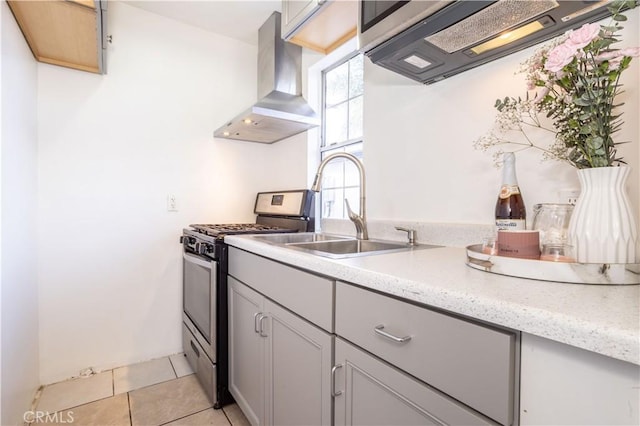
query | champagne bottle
[510, 209]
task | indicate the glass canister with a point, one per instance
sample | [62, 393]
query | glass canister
[552, 220]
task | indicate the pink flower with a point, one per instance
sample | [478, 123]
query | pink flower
[614, 63]
[615, 56]
[634, 52]
[584, 35]
[531, 84]
[609, 54]
[559, 56]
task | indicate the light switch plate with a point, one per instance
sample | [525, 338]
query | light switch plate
[172, 203]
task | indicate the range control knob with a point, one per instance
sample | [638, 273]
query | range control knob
[187, 240]
[203, 248]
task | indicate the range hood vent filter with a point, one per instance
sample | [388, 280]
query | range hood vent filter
[489, 23]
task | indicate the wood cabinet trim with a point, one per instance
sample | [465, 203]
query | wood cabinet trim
[66, 33]
[326, 27]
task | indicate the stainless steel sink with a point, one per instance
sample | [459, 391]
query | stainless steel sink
[339, 249]
[336, 246]
[295, 238]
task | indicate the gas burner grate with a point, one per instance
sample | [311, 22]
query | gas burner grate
[237, 228]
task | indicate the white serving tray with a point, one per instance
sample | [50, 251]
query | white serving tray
[574, 273]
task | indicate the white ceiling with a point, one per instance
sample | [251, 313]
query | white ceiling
[238, 19]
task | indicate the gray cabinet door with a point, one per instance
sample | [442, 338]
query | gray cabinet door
[472, 363]
[246, 351]
[372, 392]
[298, 367]
[279, 364]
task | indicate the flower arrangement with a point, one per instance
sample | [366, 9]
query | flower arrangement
[573, 81]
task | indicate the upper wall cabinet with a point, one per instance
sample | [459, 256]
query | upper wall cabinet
[321, 25]
[69, 33]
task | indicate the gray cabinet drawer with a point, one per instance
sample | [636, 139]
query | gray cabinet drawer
[308, 295]
[472, 363]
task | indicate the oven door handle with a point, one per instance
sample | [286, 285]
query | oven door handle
[196, 260]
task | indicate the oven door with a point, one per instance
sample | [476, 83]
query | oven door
[199, 294]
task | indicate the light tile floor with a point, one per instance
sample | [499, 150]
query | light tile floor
[162, 391]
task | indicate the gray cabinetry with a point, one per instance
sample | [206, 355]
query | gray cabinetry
[369, 391]
[393, 363]
[298, 367]
[279, 363]
[246, 349]
[472, 363]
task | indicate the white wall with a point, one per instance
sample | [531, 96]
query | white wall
[19, 293]
[421, 165]
[110, 150]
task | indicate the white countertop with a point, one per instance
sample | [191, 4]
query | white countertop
[599, 318]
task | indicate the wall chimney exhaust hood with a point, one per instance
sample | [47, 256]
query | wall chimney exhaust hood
[428, 41]
[281, 111]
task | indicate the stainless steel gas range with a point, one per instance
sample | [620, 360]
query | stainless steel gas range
[205, 261]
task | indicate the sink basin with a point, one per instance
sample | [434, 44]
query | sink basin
[335, 246]
[302, 237]
[339, 249]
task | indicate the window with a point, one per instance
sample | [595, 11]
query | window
[342, 130]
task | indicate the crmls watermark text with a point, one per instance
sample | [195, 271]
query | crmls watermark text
[47, 417]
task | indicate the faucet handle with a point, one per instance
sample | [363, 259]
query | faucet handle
[411, 234]
[352, 215]
[358, 221]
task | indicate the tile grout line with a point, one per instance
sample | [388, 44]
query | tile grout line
[184, 417]
[173, 367]
[225, 414]
[129, 405]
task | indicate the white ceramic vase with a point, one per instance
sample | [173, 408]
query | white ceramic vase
[603, 227]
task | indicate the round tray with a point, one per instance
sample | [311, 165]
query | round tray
[574, 273]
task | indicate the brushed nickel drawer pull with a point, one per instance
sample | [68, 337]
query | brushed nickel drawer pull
[255, 321]
[333, 381]
[261, 331]
[380, 330]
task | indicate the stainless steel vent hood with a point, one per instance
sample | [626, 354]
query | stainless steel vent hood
[281, 111]
[428, 41]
